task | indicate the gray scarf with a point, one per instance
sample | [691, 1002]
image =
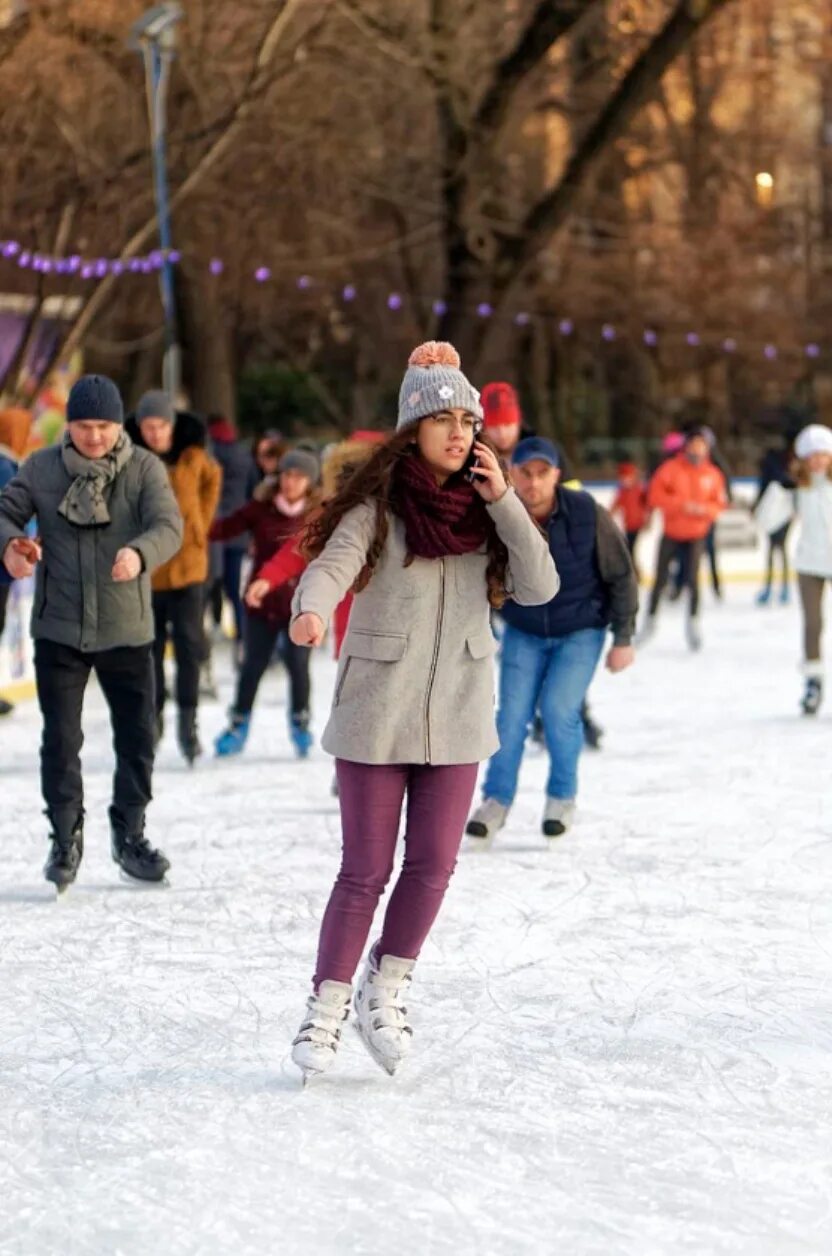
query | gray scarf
[84, 503]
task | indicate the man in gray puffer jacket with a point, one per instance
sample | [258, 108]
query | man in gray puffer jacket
[107, 518]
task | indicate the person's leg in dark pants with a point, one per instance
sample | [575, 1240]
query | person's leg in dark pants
[232, 567]
[690, 557]
[260, 639]
[5, 589]
[61, 674]
[161, 617]
[126, 679]
[667, 552]
[710, 547]
[632, 541]
[186, 610]
[187, 630]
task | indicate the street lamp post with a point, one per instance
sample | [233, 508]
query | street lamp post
[154, 36]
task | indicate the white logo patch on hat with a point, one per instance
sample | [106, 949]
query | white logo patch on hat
[446, 392]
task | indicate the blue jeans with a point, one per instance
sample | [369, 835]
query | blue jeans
[554, 672]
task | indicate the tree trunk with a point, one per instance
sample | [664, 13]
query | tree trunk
[206, 341]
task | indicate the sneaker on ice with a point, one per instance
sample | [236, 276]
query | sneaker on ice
[558, 816]
[380, 1010]
[319, 1037]
[487, 820]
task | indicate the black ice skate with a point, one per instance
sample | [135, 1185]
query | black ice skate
[65, 853]
[132, 851]
[187, 735]
[813, 696]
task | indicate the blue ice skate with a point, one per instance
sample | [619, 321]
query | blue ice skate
[302, 738]
[233, 740]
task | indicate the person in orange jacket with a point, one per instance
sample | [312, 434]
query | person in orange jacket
[630, 504]
[690, 492]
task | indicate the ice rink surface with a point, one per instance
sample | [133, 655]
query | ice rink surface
[623, 1044]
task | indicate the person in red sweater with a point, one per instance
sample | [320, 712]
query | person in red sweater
[277, 513]
[630, 505]
[289, 563]
[690, 492]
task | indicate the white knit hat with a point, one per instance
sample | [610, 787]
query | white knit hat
[433, 382]
[814, 439]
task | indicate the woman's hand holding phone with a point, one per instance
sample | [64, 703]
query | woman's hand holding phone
[486, 474]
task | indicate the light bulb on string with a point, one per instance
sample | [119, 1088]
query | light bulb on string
[566, 327]
[348, 292]
[770, 353]
[484, 310]
[694, 339]
[813, 350]
[440, 308]
[608, 333]
[262, 274]
[521, 319]
[651, 339]
[215, 266]
[729, 345]
[394, 301]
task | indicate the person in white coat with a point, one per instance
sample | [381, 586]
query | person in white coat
[813, 559]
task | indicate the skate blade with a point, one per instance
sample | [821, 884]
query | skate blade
[387, 1066]
[136, 883]
[475, 842]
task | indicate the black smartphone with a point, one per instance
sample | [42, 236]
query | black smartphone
[469, 469]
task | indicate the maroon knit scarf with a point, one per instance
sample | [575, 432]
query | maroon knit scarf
[438, 520]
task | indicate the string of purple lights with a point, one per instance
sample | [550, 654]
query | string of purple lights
[102, 267]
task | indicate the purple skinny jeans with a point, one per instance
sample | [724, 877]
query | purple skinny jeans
[371, 797]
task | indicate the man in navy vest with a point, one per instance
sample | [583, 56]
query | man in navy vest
[550, 653]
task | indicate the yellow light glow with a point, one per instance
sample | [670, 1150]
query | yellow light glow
[764, 181]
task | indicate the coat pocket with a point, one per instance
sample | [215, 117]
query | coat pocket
[481, 645]
[371, 647]
[377, 647]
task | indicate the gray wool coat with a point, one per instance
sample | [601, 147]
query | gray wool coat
[77, 602]
[416, 677]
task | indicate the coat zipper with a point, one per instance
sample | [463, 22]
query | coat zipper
[435, 660]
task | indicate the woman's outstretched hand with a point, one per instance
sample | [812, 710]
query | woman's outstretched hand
[307, 629]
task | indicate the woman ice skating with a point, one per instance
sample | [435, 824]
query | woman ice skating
[278, 511]
[813, 559]
[630, 505]
[431, 538]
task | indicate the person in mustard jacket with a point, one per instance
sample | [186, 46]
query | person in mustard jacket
[690, 492]
[179, 585]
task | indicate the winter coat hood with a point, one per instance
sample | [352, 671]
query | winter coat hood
[188, 431]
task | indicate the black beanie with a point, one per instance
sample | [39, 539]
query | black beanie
[95, 397]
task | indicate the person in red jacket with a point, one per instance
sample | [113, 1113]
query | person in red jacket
[278, 512]
[630, 504]
[690, 492]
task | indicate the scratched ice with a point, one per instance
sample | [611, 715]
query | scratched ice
[623, 1044]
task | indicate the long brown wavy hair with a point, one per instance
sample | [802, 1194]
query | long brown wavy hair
[375, 481]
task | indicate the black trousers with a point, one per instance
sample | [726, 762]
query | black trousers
[261, 636]
[126, 678]
[689, 555]
[178, 614]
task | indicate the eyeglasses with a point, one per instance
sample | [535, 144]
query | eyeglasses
[468, 422]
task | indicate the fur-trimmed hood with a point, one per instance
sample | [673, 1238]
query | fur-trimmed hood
[189, 431]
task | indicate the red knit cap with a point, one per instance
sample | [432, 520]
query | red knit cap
[501, 405]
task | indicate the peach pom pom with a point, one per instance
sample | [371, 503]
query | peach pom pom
[434, 353]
